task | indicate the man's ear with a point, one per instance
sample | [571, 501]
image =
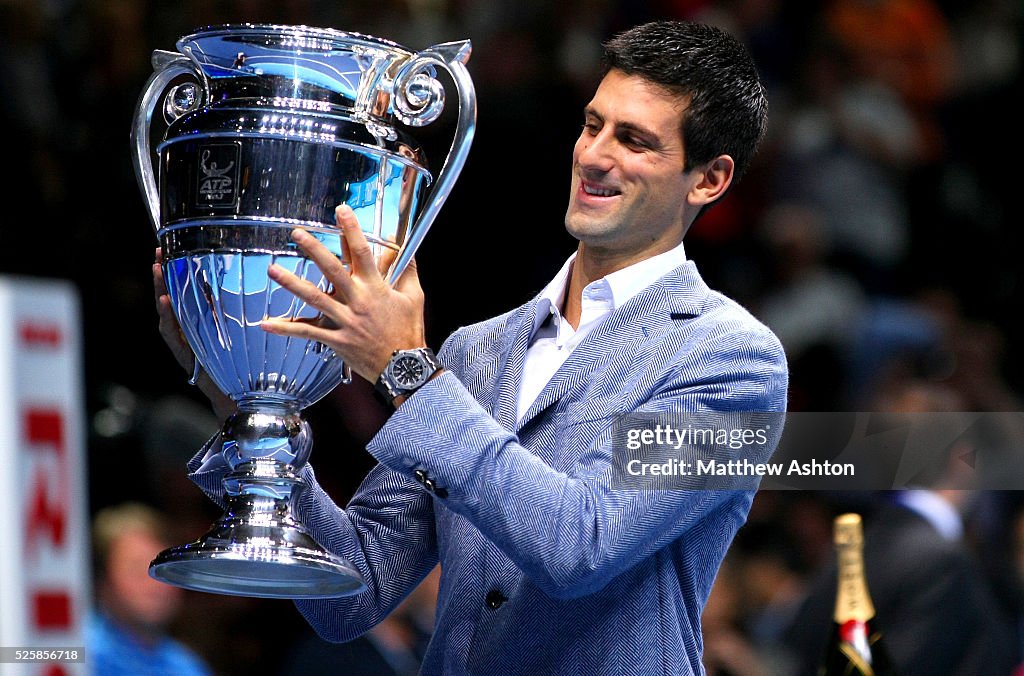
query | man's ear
[711, 181]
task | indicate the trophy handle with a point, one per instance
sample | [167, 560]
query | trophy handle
[419, 99]
[180, 100]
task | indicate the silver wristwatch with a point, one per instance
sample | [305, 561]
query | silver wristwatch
[406, 372]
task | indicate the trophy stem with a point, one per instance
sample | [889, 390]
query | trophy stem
[258, 547]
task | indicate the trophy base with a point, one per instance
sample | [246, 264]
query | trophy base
[259, 561]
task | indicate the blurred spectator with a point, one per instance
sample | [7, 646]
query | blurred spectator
[927, 335]
[128, 632]
[974, 351]
[904, 45]
[815, 309]
[899, 338]
[934, 602]
[848, 145]
[934, 605]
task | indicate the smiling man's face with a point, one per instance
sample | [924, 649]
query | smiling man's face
[628, 185]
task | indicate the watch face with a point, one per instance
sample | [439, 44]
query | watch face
[407, 371]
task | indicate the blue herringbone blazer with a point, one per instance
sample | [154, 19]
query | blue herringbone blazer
[546, 568]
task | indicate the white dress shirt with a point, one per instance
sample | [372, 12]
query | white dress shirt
[939, 513]
[554, 338]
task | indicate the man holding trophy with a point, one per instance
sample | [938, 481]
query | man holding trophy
[496, 461]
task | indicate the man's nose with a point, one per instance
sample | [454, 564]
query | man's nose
[595, 152]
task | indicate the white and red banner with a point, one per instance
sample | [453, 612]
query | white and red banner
[44, 521]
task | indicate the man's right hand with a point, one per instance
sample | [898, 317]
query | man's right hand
[170, 331]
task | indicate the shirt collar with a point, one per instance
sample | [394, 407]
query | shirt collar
[622, 284]
[940, 514]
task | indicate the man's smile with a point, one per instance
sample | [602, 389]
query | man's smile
[595, 192]
[593, 189]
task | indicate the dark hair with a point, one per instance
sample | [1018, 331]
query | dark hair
[727, 112]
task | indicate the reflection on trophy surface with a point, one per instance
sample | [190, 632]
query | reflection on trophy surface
[243, 134]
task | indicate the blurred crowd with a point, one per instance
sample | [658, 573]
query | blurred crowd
[873, 234]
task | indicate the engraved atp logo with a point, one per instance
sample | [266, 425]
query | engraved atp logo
[218, 175]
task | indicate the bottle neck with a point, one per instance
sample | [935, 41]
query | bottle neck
[853, 602]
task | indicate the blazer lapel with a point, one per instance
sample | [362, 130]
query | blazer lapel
[678, 295]
[510, 377]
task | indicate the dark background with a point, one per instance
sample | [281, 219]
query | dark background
[877, 231]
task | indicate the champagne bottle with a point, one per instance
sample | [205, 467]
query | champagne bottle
[854, 647]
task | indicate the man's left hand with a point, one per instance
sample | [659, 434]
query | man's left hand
[364, 319]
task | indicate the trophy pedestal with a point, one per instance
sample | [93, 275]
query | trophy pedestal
[257, 556]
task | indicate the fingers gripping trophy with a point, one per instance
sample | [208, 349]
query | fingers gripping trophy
[243, 134]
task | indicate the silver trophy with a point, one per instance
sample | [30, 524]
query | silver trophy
[243, 134]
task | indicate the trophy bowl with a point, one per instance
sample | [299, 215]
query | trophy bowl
[241, 135]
